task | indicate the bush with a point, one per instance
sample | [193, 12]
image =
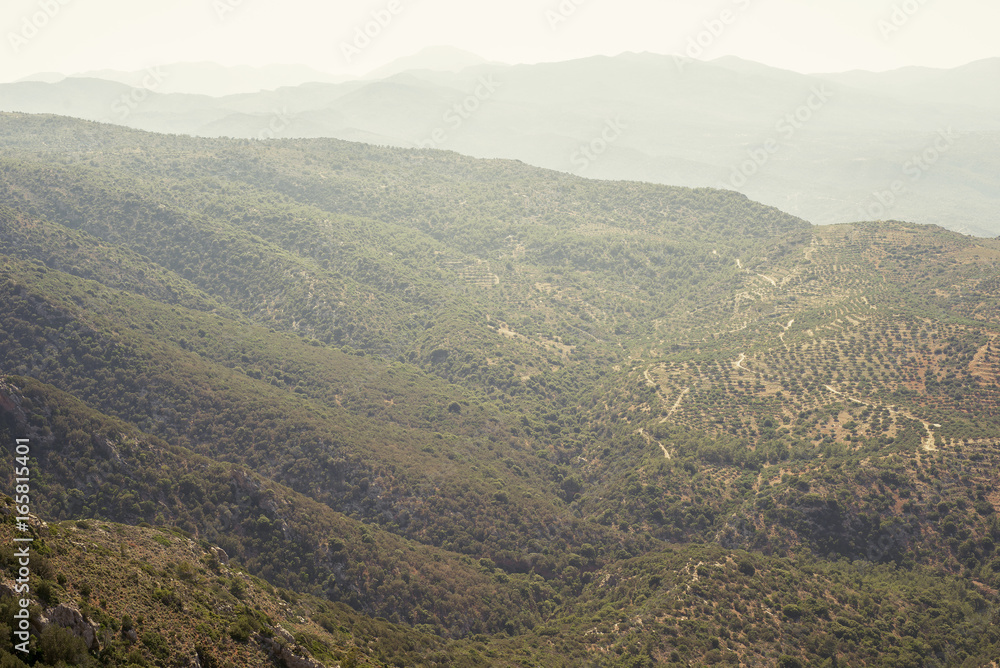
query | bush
[127, 623]
[156, 644]
[46, 592]
[792, 611]
[206, 658]
[241, 629]
[185, 571]
[58, 644]
[237, 588]
[167, 597]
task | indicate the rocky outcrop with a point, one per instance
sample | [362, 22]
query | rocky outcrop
[221, 555]
[69, 617]
[10, 402]
[283, 650]
[7, 588]
[7, 402]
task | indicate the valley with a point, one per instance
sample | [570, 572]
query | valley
[446, 411]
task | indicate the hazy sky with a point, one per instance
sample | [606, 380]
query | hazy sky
[71, 36]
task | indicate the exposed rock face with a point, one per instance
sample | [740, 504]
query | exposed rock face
[10, 402]
[284, 654]
[69, 617]
[221, 555]
[280, 630]
[7, 589]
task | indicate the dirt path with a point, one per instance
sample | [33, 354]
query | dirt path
[787, 327]
[738, 364]
[927, 444]
[773, 282]
[650, 439]
[979, 367]
[813, 247]
[677, 404]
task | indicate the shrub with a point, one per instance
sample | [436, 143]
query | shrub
[206, 658]
[241, 629]
[58, 644]
[156, 644]
[792, 611]
[47, 593]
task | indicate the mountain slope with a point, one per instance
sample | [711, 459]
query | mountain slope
[513, 407]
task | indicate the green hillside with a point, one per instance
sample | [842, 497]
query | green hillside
[492, 414]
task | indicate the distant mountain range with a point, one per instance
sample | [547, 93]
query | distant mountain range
[914, 144]
[202, 78]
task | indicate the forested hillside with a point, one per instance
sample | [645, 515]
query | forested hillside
[826, 147]
[480, 413]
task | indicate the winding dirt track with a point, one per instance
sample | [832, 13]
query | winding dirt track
[927, 443]
[650, 439]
